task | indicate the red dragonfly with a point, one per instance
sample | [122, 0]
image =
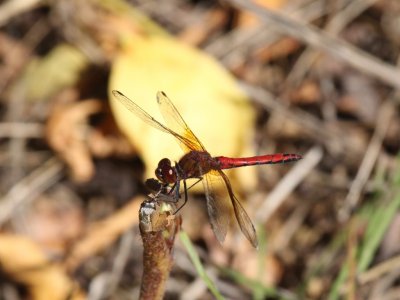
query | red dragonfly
[198, 163]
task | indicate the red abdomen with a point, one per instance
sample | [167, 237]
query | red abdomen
[280, 158]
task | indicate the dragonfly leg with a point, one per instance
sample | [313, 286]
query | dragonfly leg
[198, 180]
[177, 187]
[186, 196]
[176, 184]
[185, 188]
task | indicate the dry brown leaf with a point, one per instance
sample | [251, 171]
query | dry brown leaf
[25, 262]
[247, 19]
[102, 145]
[70, 135]
[281, 49]
[197, 33]
[307, 93]
[66, 131]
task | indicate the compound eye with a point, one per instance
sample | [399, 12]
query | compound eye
[165, 172]
[153, 185]
[159, 174]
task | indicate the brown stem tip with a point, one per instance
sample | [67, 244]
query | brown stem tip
[158, 228]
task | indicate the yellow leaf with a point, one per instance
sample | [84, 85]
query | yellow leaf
[59, 69]
[205, 94]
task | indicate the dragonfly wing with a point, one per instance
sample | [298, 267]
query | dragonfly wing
[245, 224]
[219, 209]
[176, 123]
[145, 117]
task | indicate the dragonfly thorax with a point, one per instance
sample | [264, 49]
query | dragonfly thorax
[195, 164]
[165, 172]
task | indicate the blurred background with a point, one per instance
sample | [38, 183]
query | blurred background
[317, 78]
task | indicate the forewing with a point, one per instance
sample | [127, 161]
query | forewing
[145, 117]
[218, 206]
[245, 224]
[176, 123]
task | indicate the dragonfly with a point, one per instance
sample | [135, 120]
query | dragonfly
[197, 163]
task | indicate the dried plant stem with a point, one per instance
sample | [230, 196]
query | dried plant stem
[103, 233]
[336, 47]
[158, 228]
[371, 155]
[380, 270]
[30, 187]
[288, 184]
[21, 130]
[13, 8]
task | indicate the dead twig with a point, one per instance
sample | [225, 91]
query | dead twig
[12, 8]
[21, 130]
[379, 270]
[104, 285]
[290, 227]
[103, 233]
[332, 138]
[288, 184]
[230, 48]
[334, 46]
[370, 157]
[334, 26]
[30, 187]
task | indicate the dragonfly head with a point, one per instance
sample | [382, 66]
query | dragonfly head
[165, 172]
